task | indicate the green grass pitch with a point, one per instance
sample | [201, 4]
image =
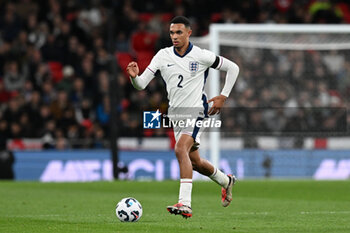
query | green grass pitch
[270, 206]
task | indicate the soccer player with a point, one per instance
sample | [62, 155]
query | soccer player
[184, 68]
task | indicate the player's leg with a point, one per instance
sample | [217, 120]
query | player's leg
[182, 149]
[199, 164]
[204, 167]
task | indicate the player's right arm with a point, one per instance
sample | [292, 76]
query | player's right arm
[140, 82]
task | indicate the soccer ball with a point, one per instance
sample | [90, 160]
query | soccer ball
[128, 210]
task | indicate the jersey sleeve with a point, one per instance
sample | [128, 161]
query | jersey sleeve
[155, 62]
[140, 82]
[208, 57]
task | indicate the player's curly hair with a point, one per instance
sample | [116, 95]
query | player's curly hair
[181, 20]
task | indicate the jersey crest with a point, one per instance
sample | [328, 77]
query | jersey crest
[194, 66]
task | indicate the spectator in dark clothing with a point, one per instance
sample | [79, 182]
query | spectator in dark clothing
[10, 23]
[51, 51]
[7, 160]
[14, 111]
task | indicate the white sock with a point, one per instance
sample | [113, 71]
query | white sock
[220, 178]
[185, 191]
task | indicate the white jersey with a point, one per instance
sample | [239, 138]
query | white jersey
[184, 76]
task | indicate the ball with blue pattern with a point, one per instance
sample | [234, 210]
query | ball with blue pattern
[128, 210]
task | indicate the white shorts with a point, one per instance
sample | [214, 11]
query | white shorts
[193, 131]
[193, 119]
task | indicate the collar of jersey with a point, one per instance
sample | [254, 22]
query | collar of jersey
[190, 46]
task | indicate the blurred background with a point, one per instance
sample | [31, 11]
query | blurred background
[63, 85]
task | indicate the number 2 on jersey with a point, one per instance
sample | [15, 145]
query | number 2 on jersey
[181, 78]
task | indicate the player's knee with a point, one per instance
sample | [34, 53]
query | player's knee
[180, 150]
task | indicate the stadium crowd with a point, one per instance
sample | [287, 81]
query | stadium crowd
[57, 60]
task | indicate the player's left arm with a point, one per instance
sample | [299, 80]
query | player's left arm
[232, 71]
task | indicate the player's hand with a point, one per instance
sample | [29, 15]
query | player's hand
[132, 69]
[217, 105]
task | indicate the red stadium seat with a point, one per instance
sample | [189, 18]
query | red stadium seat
[143, 59]
[167, 17]
[344, 7]
[215, 17]
[143, 41]
[145, 17]
[56, 70]
[123, 59]
[148, 132]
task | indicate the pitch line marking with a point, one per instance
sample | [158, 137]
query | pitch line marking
[325, 212]
[302, 212]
